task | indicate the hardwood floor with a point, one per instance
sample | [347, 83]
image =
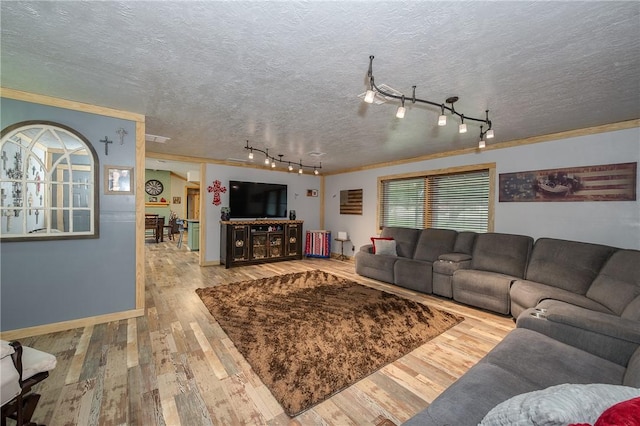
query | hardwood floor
[175, 366]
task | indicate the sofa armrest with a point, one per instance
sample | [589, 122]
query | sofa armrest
[448, 263]
[597, 322]
[454, 257]
[367, 248]
[605, 335]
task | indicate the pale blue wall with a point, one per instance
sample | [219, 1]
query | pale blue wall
[307, 208]
[615, 223]
[45, 282]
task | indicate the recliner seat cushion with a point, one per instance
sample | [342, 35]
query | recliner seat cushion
[414, 274]
[487, 290]
[569, 265]
[378, 267]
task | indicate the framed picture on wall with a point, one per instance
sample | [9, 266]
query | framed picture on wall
[118, 180]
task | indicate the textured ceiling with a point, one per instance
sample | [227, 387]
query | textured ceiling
[286, 75]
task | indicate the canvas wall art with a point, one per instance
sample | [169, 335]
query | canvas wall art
[608, 182]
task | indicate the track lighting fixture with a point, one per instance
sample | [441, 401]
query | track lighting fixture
[442, 118]
[272, 161]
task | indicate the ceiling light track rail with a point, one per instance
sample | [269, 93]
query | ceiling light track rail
[270, 160]
[487, 133]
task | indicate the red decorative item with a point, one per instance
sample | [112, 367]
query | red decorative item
[216, 188]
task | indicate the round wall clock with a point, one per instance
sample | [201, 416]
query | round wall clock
[153, 187]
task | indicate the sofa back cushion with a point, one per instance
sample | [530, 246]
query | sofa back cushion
[464, 242]
[502, 253]
[632, 375]
[632, 311]
[406, 239]
[569, 265]
[434, 242]
[618, 282]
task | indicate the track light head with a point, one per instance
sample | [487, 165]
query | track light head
[401, 110]
[369, 96]
[442, 119]
[462, 128]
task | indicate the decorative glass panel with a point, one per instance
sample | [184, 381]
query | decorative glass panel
[48, 174]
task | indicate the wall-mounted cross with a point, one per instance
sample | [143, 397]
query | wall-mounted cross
[216, 188]
[106, 143]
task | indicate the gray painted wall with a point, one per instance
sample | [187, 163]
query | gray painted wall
[71, 279]
[615, 223]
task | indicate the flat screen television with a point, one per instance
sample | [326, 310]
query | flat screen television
[253, 200]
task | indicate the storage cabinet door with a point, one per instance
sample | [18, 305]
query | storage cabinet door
[239, 243]
[258, 245]
[276, 244]
[293, 240]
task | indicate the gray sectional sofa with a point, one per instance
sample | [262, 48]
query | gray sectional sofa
[577, 307]
[525, 361]
[416, 249]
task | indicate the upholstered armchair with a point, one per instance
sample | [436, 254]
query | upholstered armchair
[21, 367]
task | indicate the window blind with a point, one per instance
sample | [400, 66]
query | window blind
[459, 201]
[403, 203]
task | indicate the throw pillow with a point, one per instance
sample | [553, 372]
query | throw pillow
[625, 413]
[559, 405]
[387, 247]
[375, 239]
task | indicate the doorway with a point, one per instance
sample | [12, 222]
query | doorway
[193, 202]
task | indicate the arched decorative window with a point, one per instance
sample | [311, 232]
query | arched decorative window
[48, 175]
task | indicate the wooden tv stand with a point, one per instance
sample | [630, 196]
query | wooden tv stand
[259, 241]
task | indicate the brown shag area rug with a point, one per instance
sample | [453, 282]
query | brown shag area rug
[308, 335]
